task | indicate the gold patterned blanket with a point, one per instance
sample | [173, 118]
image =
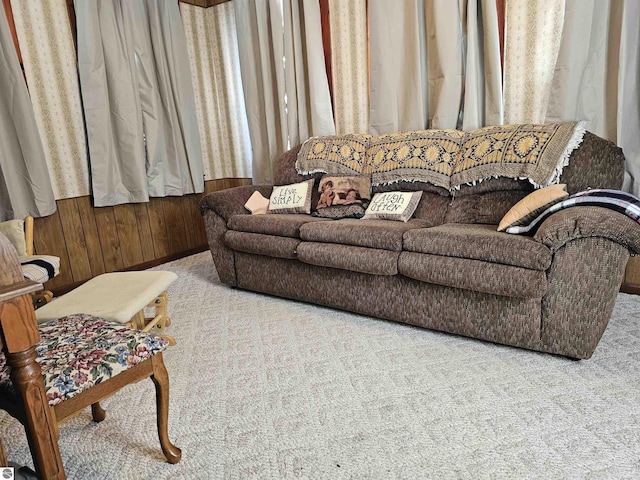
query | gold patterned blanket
[447, 158]
[335, 154]
[423, 155]
[534, 152]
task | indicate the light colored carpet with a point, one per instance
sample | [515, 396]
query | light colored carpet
[263, 387]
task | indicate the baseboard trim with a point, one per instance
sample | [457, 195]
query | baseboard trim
[632, 289]
[141, 266]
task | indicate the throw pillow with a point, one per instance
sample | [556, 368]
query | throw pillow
[14, 231]
[336, 212]
[257, 204]
[616, 200]
[294, 198]
[533, 205]
[393, 206]
[343, 190]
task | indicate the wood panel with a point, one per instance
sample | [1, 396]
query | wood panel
[127, 225]
[109, 241]
[91, 241]
[158, 228]
[74, 239]
[48, 239]
[91, 237]
[632, 274]
[144, 231]
[174, 219]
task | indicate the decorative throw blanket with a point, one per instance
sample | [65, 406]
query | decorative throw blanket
[336, 154]
[423, 155]
[617, 200]
[534, 152]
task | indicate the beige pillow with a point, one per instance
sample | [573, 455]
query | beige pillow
[14, 231]
[257, 204]
[294, 198]
[527, 209]
[393, 206]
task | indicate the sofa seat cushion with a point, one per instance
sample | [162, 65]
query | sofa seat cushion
[479, 242]
[475, 275]
[382, 234]
[283, 225]
[373, 261]
[270, 245]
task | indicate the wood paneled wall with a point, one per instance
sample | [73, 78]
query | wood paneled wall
[91, 241]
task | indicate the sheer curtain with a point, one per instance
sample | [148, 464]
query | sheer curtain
[25, 185]
[215, 67]
[138, 100]
[434, 64]
[283, 75]
[350, 65]
[52, 76]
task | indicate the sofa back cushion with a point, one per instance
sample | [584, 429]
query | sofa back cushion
[596, 163]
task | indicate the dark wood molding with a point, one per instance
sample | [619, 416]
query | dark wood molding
[325, 22]
[204, 3]
[632, 289]
[501, 8]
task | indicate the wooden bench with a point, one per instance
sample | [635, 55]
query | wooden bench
[119, 296]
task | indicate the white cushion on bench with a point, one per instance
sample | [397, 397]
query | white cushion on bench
[115, 296]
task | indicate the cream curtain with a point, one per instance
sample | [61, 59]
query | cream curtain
[52, 76]
[25, 185]
[532, 40]
[138, 100]
[215, 69]
[283, 75]
[434, 64]
[349, 65]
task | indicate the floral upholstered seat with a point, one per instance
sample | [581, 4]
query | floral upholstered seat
[79, 351]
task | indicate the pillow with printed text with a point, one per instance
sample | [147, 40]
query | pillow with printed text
[294, 198]
[397, 206]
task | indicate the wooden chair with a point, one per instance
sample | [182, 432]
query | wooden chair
[39, 268]
[29, 397]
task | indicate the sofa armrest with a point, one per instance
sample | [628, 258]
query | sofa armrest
[229, 202]
[589, 221]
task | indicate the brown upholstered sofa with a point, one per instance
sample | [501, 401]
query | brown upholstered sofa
[447, 268]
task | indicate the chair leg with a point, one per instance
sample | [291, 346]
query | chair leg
[160, 379]
[39, 419]
[97, 412]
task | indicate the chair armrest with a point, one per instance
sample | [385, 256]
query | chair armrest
[7, 292]
[589, 221]
[229, 202]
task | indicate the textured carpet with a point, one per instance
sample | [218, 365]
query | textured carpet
[263, 387]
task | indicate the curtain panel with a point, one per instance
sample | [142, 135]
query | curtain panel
[52, 76]
[215, 67]
[138, 100]
[349, 65]
[25, 184]
[434, 64]
[283, 76]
